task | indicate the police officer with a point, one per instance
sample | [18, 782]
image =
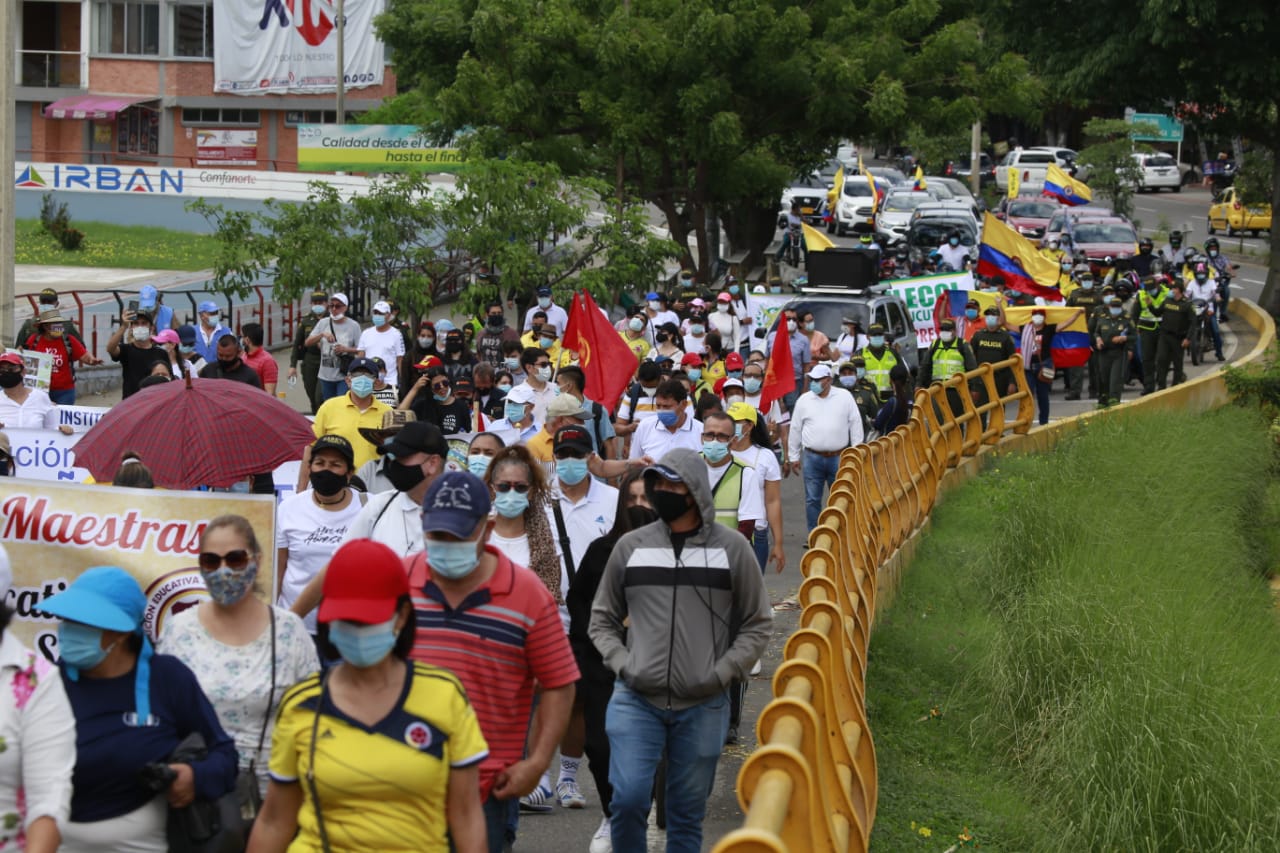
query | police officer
[1113, 336]
[991, 344]
[1146, 316]
[944, 358]
[1085, 296]
[853, 378]
[309, 355]
[879, 358]
[1176, 317]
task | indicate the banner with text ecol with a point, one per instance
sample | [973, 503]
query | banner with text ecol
[372, 148]
[290, 46]
[921, 293]
[54, 531]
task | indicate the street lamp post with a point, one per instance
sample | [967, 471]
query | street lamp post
[342, 61]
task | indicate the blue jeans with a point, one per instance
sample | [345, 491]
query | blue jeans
[1210, 326]
[331, 389]
[819, 473]
[63, 398]
[760, 541]
[496, 816]
[639, 734]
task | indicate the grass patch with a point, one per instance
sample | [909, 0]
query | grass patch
[109, 245]
[1094, 628]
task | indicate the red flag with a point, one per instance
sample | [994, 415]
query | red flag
[605, 359]
[779, 373]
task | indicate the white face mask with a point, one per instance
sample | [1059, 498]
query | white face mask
[1037, 321]
[946, 337]
[722, 307]
[142, 334]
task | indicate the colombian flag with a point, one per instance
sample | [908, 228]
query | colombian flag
[950, 305]
[1007, 253]
[920, 183]
[1065, 188]
[1070, 346]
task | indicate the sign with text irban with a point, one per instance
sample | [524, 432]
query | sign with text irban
[291, 46]
[54, 531]
[372, 148]
[921, 293]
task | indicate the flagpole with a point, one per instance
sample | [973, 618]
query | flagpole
[7, 17]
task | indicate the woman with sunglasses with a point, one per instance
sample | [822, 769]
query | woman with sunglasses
[380, 753]
[236, 645]
[520, 499]
[132, 709]
[431, 399]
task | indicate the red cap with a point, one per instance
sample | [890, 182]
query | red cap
[11, 358]
[691, 359]
[364, 581]
[724, 297]
[733, 361]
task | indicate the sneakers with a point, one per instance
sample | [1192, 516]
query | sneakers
[538, 800]
[602, 841]
[569, 796]
[757, 668]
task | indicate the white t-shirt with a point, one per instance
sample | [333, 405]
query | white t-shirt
[698, 345]
[387, 345]
[393, 519]
[775, 415]
[516, 549]
[652, 439]
[310, 534]
[36, 412]
[767, 470]
[751, 504]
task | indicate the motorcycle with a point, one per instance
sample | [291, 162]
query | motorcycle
[1198, 337]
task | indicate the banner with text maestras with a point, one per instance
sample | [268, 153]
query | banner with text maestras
[291, 46]
[921, 294]
[54, 531]
[372, 148]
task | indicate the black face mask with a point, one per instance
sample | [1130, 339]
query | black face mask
[639, 516]
[10, 380]
[497, 321]
[228, 365]
[670, 505]
[327, 483]
[453, 347]
[404, 477]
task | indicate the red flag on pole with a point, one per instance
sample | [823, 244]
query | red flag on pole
[779, 373]
[605, 359]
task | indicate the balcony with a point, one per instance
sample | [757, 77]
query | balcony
[50, 69]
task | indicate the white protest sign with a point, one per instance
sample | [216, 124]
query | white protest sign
[921, 293]
[764, 309]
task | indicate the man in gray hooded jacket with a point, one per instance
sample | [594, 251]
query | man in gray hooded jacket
[699, 618]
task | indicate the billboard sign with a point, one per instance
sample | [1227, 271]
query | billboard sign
[226, 147]
[372, 148]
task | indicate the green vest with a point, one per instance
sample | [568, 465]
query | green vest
[878, 368]
[947, 361]
[727, 495]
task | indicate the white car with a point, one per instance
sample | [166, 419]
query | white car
[810, 191]
[894, 216]
[1159, 171]
[855, 206]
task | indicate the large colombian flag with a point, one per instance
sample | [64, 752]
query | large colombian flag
[1065, 188]
[1070, 345]
[1006, 252]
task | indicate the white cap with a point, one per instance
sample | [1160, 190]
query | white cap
[521, 394]
[819, 371]
[341, 297]
[381, 308]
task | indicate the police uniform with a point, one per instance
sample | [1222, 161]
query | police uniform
[991, 346]
[1176, 317]
[879, 361]
[309, 355]
[1112, 356]
[1088, 299]
[1146, 316]
[944, 359]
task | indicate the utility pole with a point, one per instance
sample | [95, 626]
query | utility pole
[342, 62]
[7, 212]
[975, 160]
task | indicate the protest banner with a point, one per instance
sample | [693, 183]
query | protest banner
[764, 309]
[37, 368]
[55, 531]
[921, 293]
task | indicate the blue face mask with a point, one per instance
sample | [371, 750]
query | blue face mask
[715, 451]
[636, 324]
[695, 373]
[514, 412]
[504, 387]
[752, 384]
[971, 313]
[379, 320]
[668, 418]
[739, 430]
[185, 350]
[544, 301]
[362, 645]
[992, 322]
[452, 560]
[571, 471]
[877, 340]
[362, 386]
[319, 309]
[735, 374]
[511, 504]
[733, 290]
[440, 398]
[512, 363]
[478, 463]
[848, 381]
[546, 343]
[696, 329]
[81, 645]
[815, 385]
[955, 241]
[1116, 311]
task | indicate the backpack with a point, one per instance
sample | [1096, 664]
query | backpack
[30, 344]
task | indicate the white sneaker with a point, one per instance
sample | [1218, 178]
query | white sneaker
[569, 796]
[757, 668]
[602, 841]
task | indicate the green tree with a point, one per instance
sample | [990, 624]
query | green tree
[1112, 170]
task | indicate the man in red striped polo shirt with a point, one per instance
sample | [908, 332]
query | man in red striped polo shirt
[495, 625]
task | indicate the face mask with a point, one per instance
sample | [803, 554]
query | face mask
[361, 645]
[327, 483]
[668, 418]
[1175, 244]
[545, 343]
[425, 341]
[636, 324]
[81, 645]
[497, 321]
[695, 373]
[860, 372]
[648, 392]
[54, 331]
[1116, 311]
[655, 305]
[511, 364]
[946, 337]
[1086, 283]
[722, 307]
[733, 290]
[477, 464]
[715, 451]
[379, 320]
[362, 386]
[227, 586]
[510, 504]
[751, 384]
[317, 310]
[440, 398]
[571, 471]
[230, 364]
[1066, 266]
[810, 326]
[10, 380]
[815, 386]
[504, 387]
[142, 334]
[775, 289]
[452, 560]
[404, 477]
[791, 325]
[992, 322]
[971, 313]
[211, 320]
[544, 301]
[544, 373]
[739, 430]
[514, 412]
[1201, 279]
[848, 381]
[670, 505]
[877, 340]
[1213, 253]
[639, 516]
[955, 241]
[1037, 321]
[186, 350]
[697, 329]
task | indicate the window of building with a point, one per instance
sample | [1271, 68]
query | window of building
[193, 30]
[224, 116]
[293, 118]
[129, 27]
[138, 132]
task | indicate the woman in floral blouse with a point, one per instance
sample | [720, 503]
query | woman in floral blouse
[237, 645]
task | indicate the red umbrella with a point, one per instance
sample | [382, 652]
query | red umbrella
[202, 432]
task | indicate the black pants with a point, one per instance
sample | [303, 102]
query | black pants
[596, 689]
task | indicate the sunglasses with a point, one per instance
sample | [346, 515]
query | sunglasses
[236, 560]
[436, 386]
[520, 488]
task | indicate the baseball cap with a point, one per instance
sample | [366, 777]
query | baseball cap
[743, 412]
[415, 437]
[335, 443]
[520, 394]
[564, 406]
[187, 334]
[733, 361]
[691, 359]
[429, 362]
[340, 297]
[206, 307]
[164, 336]
[653, 295]
[455, 504]
[723, 297]
[365, 365]
[48, 294]
[819, 371]
[11, 358]
[103, 597]
[392, 422]
[147, 297]
[664, 471]
[573, 438]
[363, 583]
[726, 384]
[381, 308]
[544, 291]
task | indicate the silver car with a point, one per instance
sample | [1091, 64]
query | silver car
[894, 216]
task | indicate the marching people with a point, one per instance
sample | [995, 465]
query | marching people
[53, 336]
[822, 426]
[308, 354]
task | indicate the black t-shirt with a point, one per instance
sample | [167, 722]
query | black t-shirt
[136, 364]
[240, 373]
[452, 418]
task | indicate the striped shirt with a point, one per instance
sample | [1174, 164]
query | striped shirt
[505, 635]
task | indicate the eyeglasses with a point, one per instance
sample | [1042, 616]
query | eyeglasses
[503, 488]
[542, 364]
[436, 386]
[716, 436]
[235, 560]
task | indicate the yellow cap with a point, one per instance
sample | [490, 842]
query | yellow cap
[743, 412]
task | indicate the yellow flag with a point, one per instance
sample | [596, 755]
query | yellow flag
[1014, 183]
[815, 240]
[875, 196]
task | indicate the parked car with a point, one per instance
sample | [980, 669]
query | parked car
[1057, 226]
[1031, 163]
[1159, 171]
[1102, 239]
[810, 191]
[894, 216]
[1232, 216]
[829, 311]
[1028, 215]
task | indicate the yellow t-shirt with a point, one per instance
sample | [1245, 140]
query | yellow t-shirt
[340, 416]
[639, 345]
[382, 788]
[539, 446]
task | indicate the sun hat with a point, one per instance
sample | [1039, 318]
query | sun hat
[363, 583]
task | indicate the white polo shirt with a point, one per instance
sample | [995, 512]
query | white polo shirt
[392, 518]
[585, 522]
[511, 434]
[652, 439]
[541, 398]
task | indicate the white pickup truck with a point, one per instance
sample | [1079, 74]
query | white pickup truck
[1031, 164]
